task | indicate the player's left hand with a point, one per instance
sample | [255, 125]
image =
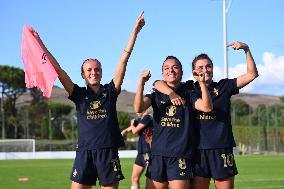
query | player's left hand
[236, 45]
[140, 22]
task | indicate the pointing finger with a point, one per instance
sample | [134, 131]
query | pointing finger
[229, 44]
[141, 14]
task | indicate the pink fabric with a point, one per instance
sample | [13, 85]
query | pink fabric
[39, 72]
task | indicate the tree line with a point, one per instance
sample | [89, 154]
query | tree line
[41, 118]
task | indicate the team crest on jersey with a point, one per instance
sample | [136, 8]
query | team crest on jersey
[171, 110]
[215, 92]
[74, 173]
[95, 104]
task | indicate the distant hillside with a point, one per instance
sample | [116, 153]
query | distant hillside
[124, 103]
[255, 99]
[125, 99]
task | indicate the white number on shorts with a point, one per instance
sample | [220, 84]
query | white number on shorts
[228, 160]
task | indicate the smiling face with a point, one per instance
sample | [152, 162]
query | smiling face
[203, 63]
[172, 72]
[206, 67]
[92, 72]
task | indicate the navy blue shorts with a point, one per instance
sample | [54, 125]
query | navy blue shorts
[142, 159]
[215, 163]
[102, 164]
[163, 169]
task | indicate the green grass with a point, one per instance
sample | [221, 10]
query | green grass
[255, 172]
[260, 172]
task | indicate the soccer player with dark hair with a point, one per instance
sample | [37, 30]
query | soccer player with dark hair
[214, 156]
[171, 150]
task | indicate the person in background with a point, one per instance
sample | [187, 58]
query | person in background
[143, 126]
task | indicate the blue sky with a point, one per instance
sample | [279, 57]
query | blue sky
[75, 30]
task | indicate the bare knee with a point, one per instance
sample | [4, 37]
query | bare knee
[135, 178]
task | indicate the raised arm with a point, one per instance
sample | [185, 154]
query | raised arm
[252, 72]
[141, 103]
[121, 67]
[204, 103]
[62, 75]
[162, 87]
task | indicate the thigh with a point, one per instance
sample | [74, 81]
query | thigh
[137, 170]
[200, 183]
[75, 185]
[84, 170]
[108, 167]
[225, 183]
[110, 186]
[151, 184]
[179, 184]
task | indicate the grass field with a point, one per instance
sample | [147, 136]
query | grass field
[255, 172]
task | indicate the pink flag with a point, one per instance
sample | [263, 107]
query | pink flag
[39, 72]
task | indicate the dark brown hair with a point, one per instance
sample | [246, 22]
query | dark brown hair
[200, 57]
[176, 60]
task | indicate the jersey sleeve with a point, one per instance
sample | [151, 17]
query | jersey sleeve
[112, 88]
[150, 94]
[146, 120]
[232, 86]
[77, 92]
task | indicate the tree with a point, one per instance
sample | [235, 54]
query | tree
[38, 114]
[282, 98]
[261, 117]
[59, 111]
[123, 119]
[12, 83]
[240, 109]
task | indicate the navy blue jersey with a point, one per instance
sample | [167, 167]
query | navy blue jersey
[215, 128]
[189, 84]
[96, 117]
[145, 137]
[173, 135]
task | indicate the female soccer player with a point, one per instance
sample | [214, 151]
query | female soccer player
[99, 136]
[171, 149]
[214, 157]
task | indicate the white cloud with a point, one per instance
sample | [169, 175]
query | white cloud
[271, 75]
